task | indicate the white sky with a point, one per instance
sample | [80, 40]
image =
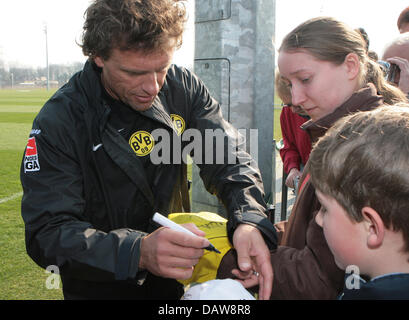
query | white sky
[22, 23]
[377, 17]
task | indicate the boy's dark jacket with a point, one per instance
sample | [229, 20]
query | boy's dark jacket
[88, 207]
[386, 287]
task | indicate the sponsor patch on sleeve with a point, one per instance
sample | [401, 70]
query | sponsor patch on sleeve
[31, 162]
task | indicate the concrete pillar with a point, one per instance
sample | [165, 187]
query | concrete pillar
[234, 56]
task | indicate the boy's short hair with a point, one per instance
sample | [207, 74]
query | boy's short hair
[363, 160]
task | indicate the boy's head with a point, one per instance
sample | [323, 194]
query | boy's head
[360, 168]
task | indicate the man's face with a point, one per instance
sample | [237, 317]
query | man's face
[135, 77]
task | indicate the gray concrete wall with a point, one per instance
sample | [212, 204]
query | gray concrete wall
[234, 56]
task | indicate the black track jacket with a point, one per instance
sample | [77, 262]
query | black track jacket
[87, 202]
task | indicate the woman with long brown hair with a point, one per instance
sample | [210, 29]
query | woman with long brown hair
[325, 63]
[326, 66]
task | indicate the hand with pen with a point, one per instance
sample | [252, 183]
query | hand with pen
[172, 254]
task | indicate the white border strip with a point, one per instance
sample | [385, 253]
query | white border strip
[16, 195]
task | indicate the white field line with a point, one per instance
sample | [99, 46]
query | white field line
[16, 195]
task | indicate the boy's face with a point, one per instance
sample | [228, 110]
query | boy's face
[344, 236]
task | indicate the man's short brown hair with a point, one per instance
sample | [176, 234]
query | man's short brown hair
[363, 160]
[132, 24]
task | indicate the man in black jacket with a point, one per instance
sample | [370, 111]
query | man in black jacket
[91, 175]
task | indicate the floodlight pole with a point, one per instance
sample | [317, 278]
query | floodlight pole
[46, 57]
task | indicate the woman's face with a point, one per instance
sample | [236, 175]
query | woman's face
[319, 87]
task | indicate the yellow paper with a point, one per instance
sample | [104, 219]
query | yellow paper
[215, 228]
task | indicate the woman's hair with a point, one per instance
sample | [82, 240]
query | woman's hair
[328, 39]
[363, 160]
[132, 24]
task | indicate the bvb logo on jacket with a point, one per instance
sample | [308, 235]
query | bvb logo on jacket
[142, 143]
[178, 123]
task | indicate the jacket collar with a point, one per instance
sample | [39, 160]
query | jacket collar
[364, 99]
[158, 112]
[389, 286]
[90, 79]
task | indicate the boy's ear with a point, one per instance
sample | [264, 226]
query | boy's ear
[374, 226]
[352, 65]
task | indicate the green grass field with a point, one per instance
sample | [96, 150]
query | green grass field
[20, 277]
